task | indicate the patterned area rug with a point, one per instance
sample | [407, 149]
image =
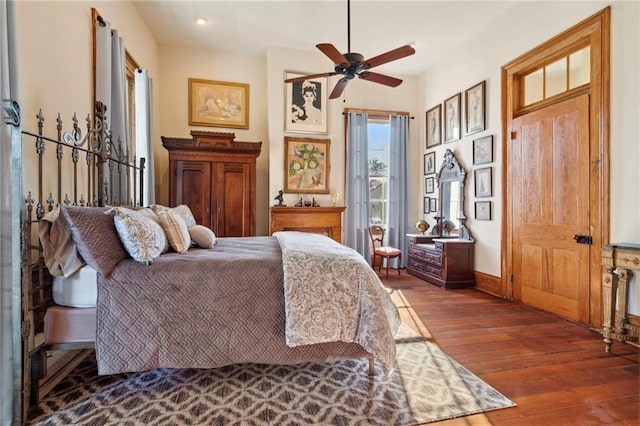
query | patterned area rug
[425, 386]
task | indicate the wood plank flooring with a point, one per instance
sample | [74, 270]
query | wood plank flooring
[555, 370]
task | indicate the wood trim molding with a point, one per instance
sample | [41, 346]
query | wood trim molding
[488, 283]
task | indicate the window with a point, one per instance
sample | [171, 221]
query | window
[567, 73]
[378, 135]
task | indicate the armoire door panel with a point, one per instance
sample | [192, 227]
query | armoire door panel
[191, 177]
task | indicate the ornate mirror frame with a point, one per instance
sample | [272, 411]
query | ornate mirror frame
[449, 174]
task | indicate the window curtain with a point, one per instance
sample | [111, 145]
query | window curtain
[144, 132]
[111, 88]
[10, 205]
[357, 186]
[399, 217]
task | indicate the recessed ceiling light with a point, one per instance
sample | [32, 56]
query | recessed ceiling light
[201, 21]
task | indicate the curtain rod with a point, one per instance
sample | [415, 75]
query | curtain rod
[378, 114]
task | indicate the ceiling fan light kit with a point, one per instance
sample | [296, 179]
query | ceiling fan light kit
[351, 64]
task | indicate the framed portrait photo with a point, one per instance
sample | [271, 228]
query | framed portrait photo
[483, 150]
[474, 105]
[429, 185]
[483, 184]
[306, 165]
[483, 210]
[452, 118]
[430, 163]
[434, 130]
[305, 105]
[427, 204]
[218, 104]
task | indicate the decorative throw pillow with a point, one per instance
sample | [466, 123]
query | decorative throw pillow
[176, 230]
[142, 237]
[96, 238]
[202, 236]
[182, 210]
[154, 217]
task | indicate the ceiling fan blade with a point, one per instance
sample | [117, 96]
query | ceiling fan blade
[375, 77]
[332, 53]
[310, 77]
[337, 91]
[391, 55]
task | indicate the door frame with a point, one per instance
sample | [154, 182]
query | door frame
[594, 32]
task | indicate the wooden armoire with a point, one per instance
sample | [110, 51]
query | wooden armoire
[216, 177]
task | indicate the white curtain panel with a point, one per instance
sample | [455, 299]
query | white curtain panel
[356, 215]
[111, 88]
[10, 205]
[399, 220]
[144, 132]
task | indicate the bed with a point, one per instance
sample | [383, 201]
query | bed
[282, 299]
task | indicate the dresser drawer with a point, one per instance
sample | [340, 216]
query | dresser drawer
[433, 258]
[416, 252]
[432, 270]
[416, 265]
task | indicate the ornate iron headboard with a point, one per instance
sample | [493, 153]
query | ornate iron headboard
[101, 169]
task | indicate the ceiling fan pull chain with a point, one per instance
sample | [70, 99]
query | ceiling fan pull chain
[348, 25]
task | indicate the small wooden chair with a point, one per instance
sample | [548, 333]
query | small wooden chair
[376, 232]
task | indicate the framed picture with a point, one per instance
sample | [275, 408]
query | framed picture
[305, 105]
[482, 178]
[474, 106]
[426, 205]
[218, 104]
[433, 205]
[483, 150]
[428, 185]
[452, 118]
[430, 163]
[434, 131]
[483, 210]
[306, 165]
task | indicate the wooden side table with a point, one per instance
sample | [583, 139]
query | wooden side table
[618, 260]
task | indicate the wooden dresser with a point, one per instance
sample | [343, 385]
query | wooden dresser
[321, 220]
[618, 260]
[447, 262]
[216, 177]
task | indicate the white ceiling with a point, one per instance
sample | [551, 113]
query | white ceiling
[433, 27]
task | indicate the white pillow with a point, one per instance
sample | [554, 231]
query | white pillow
[176, 230]
[202, 236]
[141, 237]
[154, 217]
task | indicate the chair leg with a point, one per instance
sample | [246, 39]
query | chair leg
[380, 265]
[388, 264]
[399, 263]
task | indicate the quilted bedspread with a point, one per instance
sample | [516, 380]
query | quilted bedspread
[332, 294]
[214, 307]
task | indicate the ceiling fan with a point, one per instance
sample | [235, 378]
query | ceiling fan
[352, 64]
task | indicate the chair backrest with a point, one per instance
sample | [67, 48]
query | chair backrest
[376, 232]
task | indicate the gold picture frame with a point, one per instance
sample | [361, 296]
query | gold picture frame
[306, 165]
[218, 104]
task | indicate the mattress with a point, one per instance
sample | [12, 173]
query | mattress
[69, 325]
[79, 290]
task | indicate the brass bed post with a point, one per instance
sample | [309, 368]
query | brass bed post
[59, 157]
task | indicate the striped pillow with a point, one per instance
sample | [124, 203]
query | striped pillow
[176, 229]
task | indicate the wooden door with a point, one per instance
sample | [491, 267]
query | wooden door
[192, 187]
[550, 169]
[233, 202]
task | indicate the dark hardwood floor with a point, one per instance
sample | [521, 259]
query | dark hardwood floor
[555, 370]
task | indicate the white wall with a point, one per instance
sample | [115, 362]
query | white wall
[54, 61]
[358, 94]
[514, 33]
[178, 65]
